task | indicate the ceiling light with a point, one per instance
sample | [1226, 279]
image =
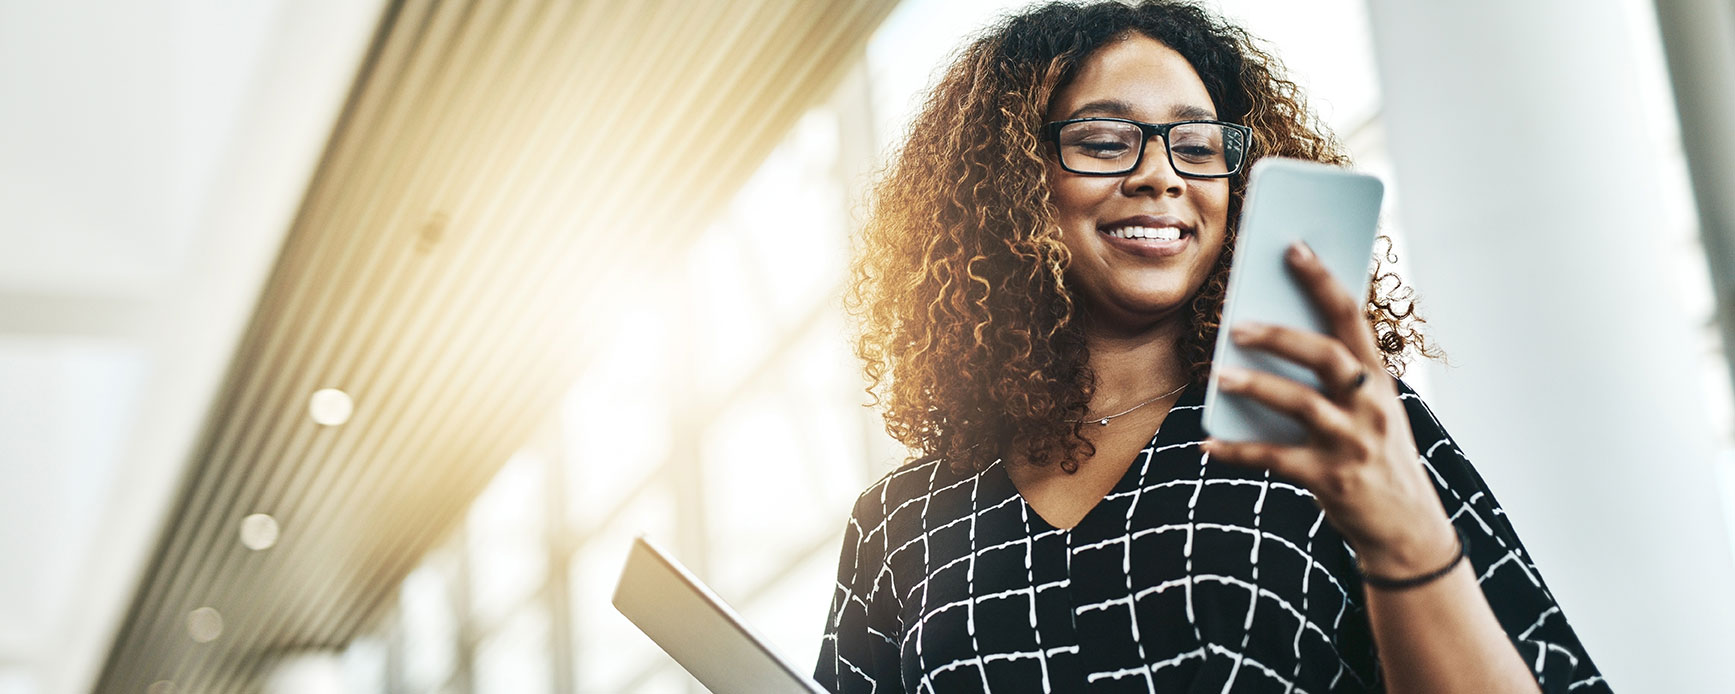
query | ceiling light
[330, 406]
[204, 624]
[259, 531]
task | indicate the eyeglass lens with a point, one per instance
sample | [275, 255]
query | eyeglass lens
[1206, 149]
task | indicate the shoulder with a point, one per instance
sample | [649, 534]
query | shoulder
[1411, 400]
[1465, 495]
[1446, 463]
[896, 491]
[905, 503]
[1430, 435]
[1458, 482]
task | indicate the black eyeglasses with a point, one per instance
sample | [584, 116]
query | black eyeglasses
[1116, 146]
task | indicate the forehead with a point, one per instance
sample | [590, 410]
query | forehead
[1136, 77]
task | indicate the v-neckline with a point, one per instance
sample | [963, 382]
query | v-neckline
[1129, 478]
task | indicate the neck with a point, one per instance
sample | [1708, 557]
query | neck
[1132, 367]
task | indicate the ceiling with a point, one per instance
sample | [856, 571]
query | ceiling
[151, 155]
[213, 207]
[496, 169]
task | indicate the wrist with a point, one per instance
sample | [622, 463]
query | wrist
[1426, 550]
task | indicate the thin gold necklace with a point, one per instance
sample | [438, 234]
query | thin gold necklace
[1104, 421]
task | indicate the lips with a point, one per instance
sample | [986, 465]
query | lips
[1142, 222]
[1148, 236]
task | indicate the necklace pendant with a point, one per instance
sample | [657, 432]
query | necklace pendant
[1104, 421]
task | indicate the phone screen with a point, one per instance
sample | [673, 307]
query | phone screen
[1336, 212]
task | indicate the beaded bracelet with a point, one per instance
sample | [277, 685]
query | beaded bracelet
[1384, 583]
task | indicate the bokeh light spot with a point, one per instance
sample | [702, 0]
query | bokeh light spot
[259, 531]
[330, 406]
[204, 624]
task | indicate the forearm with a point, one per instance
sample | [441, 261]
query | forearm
[1442, 637]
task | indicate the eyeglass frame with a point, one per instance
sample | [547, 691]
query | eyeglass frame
[1150, 130]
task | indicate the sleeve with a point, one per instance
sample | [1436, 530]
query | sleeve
[859, 652]
[1509, 579]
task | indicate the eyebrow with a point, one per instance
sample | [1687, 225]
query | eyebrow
[1121, 109]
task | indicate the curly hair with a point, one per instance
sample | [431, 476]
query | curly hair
[968, 331]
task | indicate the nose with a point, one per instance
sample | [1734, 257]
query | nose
[1155, 175]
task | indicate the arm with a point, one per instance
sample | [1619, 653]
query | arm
[1441, 636]
[857, 653]
[1361, 464]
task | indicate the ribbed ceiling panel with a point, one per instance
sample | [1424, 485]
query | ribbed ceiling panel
[499, 168]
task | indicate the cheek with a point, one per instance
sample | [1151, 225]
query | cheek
[1076, 197]
[1213, 203]
[1066, 200]
[1213, 206]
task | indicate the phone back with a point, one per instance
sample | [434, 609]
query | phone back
[1336, 212]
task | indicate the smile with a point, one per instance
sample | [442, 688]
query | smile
[1148, 241]
[1155, 233]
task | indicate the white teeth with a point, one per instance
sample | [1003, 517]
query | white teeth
[1157, 233]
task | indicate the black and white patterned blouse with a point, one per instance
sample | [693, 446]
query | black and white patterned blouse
[1190, 576]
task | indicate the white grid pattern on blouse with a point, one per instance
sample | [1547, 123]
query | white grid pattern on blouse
[1146, 671]
[1255, 593]
[1459, 507]
[981, 660]
[1124, 541]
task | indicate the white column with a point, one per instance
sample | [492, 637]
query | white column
[1699, 38]
[1533, 198]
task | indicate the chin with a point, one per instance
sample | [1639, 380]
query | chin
[1146, 309]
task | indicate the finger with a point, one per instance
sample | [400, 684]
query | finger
[1299, 402]
[1286, 461]
[1342, 312]
[1326, 356]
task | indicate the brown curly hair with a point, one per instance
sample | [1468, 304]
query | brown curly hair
[967, 327]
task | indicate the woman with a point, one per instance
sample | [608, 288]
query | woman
[1040, 284]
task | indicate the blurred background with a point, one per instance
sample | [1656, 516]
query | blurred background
[345, 345]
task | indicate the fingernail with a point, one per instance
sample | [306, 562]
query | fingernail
[1231, 378]
[1299, 251]
[1244, 332]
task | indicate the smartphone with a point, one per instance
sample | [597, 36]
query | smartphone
[1336, 212]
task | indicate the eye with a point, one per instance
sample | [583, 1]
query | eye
[1105, 149]
[1197, 153]
[1195, 146]
[1100, 139]
[1199, 143]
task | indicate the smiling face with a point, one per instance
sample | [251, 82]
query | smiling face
[1130, 284]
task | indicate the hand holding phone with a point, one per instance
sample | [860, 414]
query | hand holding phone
[1336, 213]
